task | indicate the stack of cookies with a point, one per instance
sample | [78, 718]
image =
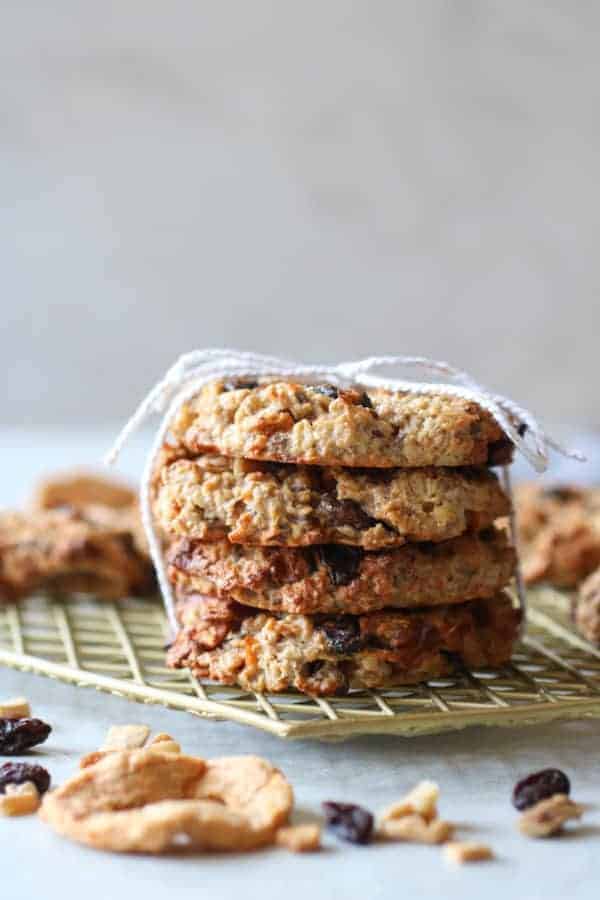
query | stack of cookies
[322, 539]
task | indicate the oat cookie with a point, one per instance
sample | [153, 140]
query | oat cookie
[79, 489]
[211, 497]
[321, 655]
[336, 579]
[324, 425]
[586, 608]
[144, 801]
[92, 550]
[558, 533]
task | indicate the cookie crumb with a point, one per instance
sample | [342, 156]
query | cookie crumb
[19, 799]
[465, 851]
[547, 817]
[299, 838]
[15, 708]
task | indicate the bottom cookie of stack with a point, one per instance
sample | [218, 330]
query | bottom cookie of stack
[325, 655]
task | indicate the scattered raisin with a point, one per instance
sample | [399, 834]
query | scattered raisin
[343, 563]
[19, 735]
[239, 385]
[348, 822]
[522, 429]
[19, 773]
[328, 390]
[342, 634]
[539, 786]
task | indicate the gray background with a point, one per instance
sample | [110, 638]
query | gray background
[323, 180]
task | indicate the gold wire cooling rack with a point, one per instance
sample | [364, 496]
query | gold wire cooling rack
[119, 648]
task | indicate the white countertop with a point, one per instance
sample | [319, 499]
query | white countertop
[476, 770]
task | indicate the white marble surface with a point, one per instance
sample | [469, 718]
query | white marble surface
[322, 180]
[476, 770]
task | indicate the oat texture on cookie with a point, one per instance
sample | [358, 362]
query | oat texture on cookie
[289, 506]
[325, 540]
[80, 534]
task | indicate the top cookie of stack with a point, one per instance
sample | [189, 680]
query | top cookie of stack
[312, 500]
[326, 426]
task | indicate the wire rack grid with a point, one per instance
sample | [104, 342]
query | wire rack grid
[554, 674]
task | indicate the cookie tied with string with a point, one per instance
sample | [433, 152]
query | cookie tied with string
[387, 412]
[322, 424]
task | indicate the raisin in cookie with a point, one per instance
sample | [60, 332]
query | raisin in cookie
[233, 644]
[325, 425]
[212, 497]
[333, 578]
[558, 532]
[94, 551]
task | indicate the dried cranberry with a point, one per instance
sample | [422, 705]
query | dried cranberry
[349, 822]
[539, 786]
[342, 562]
[18, 773]
[342, 634]
[19, 735]
[240, 385]
[328, 390]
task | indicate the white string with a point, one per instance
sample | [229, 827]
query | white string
[193, 370]
[518, 576]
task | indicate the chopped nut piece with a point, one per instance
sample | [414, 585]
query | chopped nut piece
[118, 737]
[160, 738]
[165, 746]
[16, 708]
[299, 838]
[125, 737]
[421, 800]
[548, 816]
[414, 827]
[92, 758]
[464, 851]
[19, 799]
